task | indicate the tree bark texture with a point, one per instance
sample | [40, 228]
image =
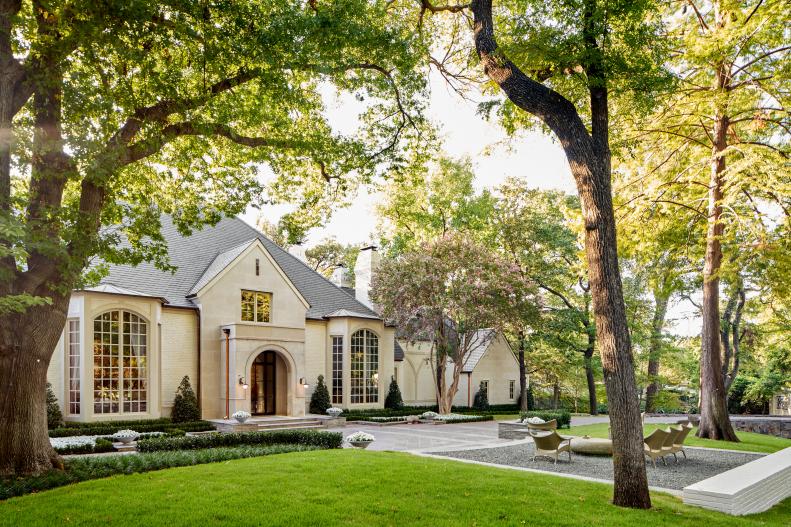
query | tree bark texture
[589, 159]
[714, 420]
[26, 344]
[730, 333]
[655, 349]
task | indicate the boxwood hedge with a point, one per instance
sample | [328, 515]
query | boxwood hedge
[111, 427]
[315, 438]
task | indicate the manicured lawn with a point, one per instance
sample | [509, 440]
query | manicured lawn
[750, 442]
[344, 487]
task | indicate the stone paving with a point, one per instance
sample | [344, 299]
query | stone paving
[425, 437]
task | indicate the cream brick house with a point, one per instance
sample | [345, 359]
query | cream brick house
[251, 325]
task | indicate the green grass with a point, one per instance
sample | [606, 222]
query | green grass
[350, 488]
[750, 442]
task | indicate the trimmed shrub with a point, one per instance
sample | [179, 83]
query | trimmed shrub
[185, 404]
[563, 417]
[320, 400]
[83, 469]
[470, 419]
[54, 415]
[481, 401]
[102, 445]
[394, 401]
[111, 427]
[281, 437]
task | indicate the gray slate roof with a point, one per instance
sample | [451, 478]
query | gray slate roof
[480, 343]
[212, 247]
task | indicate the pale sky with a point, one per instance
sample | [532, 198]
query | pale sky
[533, 156]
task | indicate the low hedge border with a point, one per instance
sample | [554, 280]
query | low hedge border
[362, 415]
[105, 443]
[471, 419]
[109, 428]
[83, 469]
[289, 437]
[563, 417]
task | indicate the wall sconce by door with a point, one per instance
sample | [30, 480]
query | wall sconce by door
[243, 384]
[304, 382]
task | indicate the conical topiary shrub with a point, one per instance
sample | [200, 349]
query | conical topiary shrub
[320, 400]
[481, 401]
[394, 400]
[185, 405]
[54, 415]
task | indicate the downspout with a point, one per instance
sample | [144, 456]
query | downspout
[199, 382]
[227, 332]
[469, 388]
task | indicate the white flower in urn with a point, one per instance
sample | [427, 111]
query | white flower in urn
[241, 416]
[429, 415]
[334, 412]
[360, 439]
[126, 436]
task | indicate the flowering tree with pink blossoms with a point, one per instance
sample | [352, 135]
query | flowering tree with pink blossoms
[451, 290]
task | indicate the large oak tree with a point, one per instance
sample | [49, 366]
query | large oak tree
[115, 112]
[558, 64]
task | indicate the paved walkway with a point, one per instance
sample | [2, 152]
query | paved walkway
[425, 437]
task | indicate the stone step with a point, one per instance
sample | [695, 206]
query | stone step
[282, 424]
[294, 427]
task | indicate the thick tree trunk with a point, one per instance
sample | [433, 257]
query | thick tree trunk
[522, 374]
[730, 335]
[654, 350]
[26, 345]
[714, 420]
[588, 157]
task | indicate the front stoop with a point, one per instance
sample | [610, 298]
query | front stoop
[275, 423]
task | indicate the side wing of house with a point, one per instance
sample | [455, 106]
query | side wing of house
[415, 376]
[498, 368]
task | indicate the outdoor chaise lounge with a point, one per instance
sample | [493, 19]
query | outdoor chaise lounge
[550, 444]
[670, 440]
[678, 443]
[652, 445]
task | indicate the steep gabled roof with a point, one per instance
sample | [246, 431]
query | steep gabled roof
[220, 262]
[198, 255]
[481, 341]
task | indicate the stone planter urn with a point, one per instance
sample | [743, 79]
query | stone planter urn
[334, 412]
[241, 416]
[126, 436]
[360, 439]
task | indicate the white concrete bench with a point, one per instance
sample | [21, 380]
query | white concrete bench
[751, 488]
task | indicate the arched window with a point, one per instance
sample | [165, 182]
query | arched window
[365, 367]
[120, 373]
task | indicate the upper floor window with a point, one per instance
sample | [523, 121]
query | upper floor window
[511, 389]
[256, 306]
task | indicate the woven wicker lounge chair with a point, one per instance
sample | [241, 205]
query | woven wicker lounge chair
[670, 440]
[652, 445]
[550, 444]
[678, 443]
[543, 427]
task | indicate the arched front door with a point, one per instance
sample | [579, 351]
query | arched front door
[263, 395]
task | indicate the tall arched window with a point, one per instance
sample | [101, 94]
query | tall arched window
[120, 373]
[364, 367]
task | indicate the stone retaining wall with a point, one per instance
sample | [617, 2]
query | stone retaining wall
[511, 430]
[775, 426]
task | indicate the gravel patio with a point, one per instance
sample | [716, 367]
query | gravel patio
[701, 463]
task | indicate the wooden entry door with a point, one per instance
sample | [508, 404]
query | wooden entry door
[264, 388]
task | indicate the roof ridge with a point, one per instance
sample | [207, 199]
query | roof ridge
[306, 266]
